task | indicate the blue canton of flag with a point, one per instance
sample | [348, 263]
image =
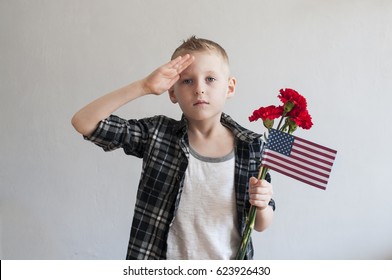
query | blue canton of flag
[280, 142]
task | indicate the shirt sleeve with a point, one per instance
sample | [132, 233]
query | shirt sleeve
[114, 132]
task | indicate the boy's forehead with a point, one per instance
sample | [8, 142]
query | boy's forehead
[209, 61]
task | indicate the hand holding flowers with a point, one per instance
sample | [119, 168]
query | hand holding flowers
[260, 194]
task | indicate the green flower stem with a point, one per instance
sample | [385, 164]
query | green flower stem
[250, 221]
[284, 126]
[280, 121]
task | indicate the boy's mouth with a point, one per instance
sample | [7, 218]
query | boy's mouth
[200, 102]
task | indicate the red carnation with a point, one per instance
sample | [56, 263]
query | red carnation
[271, 112]
[303, 119]
[289, 95]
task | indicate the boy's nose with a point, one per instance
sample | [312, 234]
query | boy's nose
[199, 88]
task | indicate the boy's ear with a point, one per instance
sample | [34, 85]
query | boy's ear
[231, 87]
[172, 96]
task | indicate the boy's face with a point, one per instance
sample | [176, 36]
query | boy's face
[203, 87]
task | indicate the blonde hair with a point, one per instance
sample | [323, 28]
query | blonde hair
[194, 44]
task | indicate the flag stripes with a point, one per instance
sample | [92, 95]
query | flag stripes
[307, 162]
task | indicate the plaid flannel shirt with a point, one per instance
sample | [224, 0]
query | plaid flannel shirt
[163, 144]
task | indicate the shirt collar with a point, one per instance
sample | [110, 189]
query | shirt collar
[239, 132]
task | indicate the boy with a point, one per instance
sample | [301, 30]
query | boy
[198, 177]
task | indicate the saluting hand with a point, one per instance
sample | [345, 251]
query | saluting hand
[164, 77]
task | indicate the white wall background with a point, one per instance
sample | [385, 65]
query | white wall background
[63, 198]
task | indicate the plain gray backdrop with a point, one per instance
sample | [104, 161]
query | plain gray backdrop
[64, 198]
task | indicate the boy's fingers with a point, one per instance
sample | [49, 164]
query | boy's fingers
[253, 180]
[178, 60]
[175, 61]
[259, 186]
[183, 64]
[259, 190]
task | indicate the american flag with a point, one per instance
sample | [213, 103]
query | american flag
[298, 158]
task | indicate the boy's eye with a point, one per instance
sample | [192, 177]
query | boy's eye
[187, 81]
[210, 79]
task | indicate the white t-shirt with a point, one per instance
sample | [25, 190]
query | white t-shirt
[205, 226]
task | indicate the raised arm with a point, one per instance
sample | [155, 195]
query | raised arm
[163, 78]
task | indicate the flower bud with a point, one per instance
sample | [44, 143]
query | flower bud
[268, 123]
[288, 106]
[292, 125]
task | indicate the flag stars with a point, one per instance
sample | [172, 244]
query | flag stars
[280, 142]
